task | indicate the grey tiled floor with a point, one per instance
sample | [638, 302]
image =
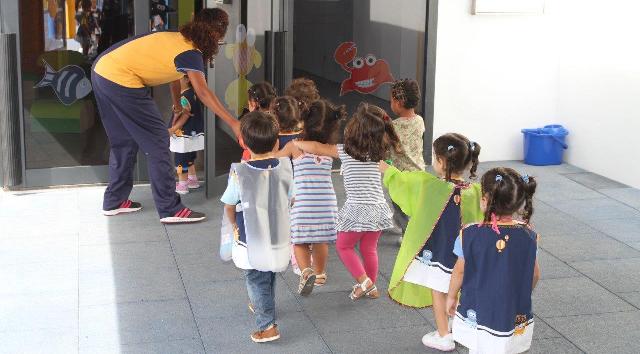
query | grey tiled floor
[75, 281]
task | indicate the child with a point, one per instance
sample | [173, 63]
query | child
[286, 111]
[188, 121]
[437, 207]
[304, 91]
[313, 216]
[405, 96]
[500, 255]
[262, 187]
[260, 97]
[368, 138]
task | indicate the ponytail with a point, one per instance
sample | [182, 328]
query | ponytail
[474, 151]
[530, 185]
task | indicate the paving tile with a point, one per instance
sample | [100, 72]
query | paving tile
[408, 339]
[602, 333]
[121, 231]
[635, 245]
[130, 323]
[379, 313]
[231, 335]
[549, 221]
[48, 341]
[181, 346]
[600, 208]
[43, 249]
[47, 311]
[626, 271]
[585, 246]
[626, 230]
[551, 267]
[117, 285]
[628, 196]
[206, 300]
[125, 255]
[209, 270]
[553, 346]
[191, 242]
[573, 296]
[558, 189]
[39, 278]
[594, 181]
[632, 297]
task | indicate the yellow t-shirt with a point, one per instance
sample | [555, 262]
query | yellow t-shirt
[153, 59]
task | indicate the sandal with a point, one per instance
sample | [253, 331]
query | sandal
[321, 279]
[307, 280]
[364, 290]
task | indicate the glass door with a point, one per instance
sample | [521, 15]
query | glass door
[64, 140]
[244, 59]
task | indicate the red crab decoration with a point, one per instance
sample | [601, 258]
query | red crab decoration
[365, 74]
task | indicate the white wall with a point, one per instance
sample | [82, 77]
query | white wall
[577, 65]
[599, 85]
[494, 76]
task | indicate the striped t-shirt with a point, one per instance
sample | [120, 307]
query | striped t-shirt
[365, 208]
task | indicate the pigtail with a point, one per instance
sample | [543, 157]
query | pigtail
[474, 151]
[530, 185]
[449, 157]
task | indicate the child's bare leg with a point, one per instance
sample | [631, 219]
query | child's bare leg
[320, 255]
[439, 312]
[192, 170]
[303, 255]
[181, 175]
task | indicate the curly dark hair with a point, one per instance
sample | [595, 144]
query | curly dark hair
[322, 120]
[508, 192]
[286, 111]
[208, 27]
[263, 93]
[406, 91]
[304, 91]
[457, 152]
[369, 134]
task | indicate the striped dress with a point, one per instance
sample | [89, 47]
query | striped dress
[365, 209]
[313, 215]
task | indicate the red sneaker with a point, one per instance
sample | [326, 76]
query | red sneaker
[125, 207]
[184, 215]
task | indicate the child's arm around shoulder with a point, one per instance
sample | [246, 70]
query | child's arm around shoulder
[290, 150]
[316, 148]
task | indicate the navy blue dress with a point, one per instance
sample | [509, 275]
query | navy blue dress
[194, 125]
[494, 313]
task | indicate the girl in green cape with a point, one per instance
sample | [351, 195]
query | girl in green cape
[438, 207]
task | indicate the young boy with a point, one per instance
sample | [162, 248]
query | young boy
[257, 202]
[405, 96]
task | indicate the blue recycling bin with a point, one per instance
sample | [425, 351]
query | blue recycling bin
[545, 146]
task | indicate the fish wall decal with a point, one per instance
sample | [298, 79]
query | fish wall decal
[69, 84]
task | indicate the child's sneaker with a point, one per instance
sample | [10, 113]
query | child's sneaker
[434, 340]
[184, 215]
[125, 207]
[182, 188]
[192, 182]
[268, 335]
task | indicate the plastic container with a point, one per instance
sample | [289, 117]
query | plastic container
[545, 146]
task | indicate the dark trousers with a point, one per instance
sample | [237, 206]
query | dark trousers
[401, 219]
[131, 120]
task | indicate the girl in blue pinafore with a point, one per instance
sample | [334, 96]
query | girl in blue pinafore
[313, 215]
[497, 269]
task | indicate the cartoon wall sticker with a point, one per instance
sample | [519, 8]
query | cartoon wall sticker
[69, 84]
[244, 56]
[365, 74]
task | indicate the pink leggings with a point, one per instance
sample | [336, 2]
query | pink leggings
[345, 246]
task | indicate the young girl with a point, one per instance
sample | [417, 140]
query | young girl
[405, 96]
[368, 137]
[187, 121]
[287, 112]
[313, 215]
[500, 255]
[437, 206]
[304, 91]
[260, 97]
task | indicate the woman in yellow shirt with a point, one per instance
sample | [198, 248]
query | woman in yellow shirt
[122, 77]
